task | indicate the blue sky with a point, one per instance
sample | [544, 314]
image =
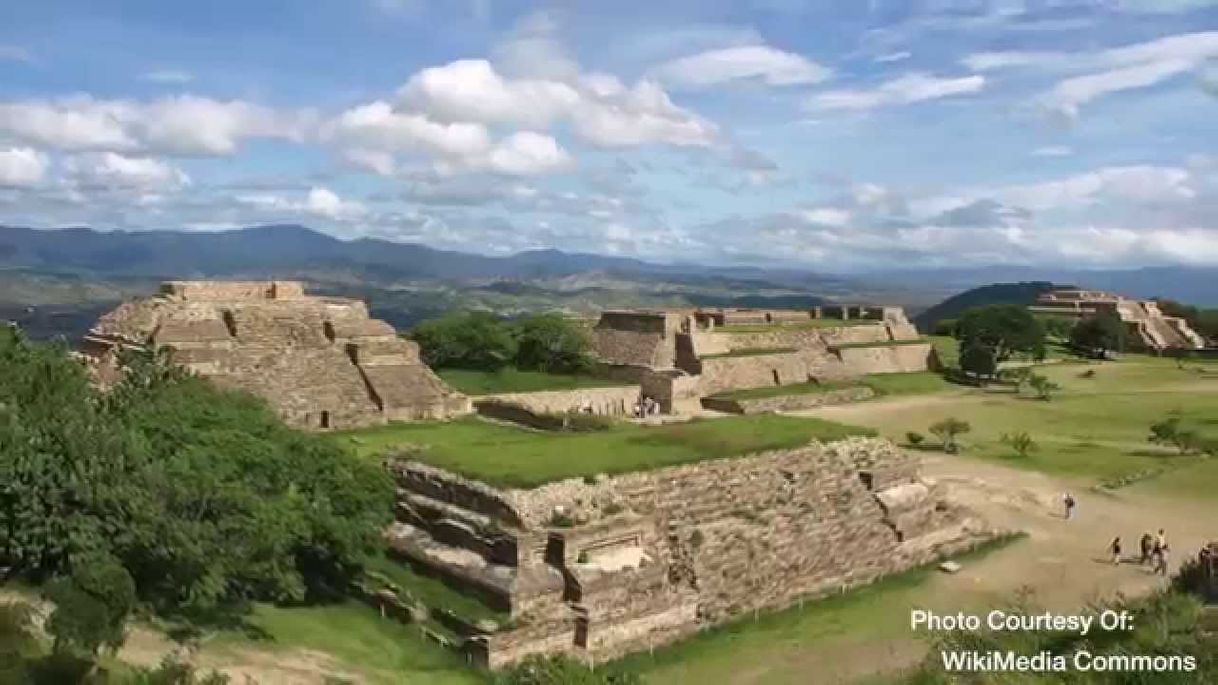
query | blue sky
[836, 135]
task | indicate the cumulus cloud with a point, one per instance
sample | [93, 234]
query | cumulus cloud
[21, 167]
[326, 203]
[907, 89]
[602, 109]
[186, 125]
[110, 170]
[762, 63]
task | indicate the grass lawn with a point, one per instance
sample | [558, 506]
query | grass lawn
[473, 382]
[801, 325]
[947, 348]
[750, 352]
[1094, 428]
[356, 636]
[510, 456]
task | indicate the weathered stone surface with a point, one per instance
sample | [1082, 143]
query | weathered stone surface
[662, 553]
[808, 400]
[321, 362]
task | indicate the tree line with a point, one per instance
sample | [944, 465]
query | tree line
[482, 341]
[169, 496]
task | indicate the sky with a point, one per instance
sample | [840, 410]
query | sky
[841, 136]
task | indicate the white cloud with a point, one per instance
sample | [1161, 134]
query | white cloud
[186, 124]
[1053, 151]
[21, 167]
[893, 57]
[326, 203]
[114, 171]
[641, 115]
[527, 153]
[908, 89]
[1129, 67]
[747, 62]
[827, 216]
[15, 53]
[168, 76]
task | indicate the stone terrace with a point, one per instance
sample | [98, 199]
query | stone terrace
[321, 362]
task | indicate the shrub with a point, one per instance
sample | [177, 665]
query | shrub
[1043, 387]
[1021, 442]
[578, 422]
[1169, 431]
[553, 343]
[561, 670]
[91, 605]
[947, 430]
[914, 438]
[467, 340]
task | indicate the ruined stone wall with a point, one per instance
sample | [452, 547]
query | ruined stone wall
[903, 358]
[795, 402]
[647, 557]
[729, 373]
[233, 290]
[613, 401]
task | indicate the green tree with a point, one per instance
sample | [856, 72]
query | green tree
[1042, 386]
[91, 605]
[202, 495]
[1098, 335]
[1021, 442]
[978, 360]
[1171, 432]
[18, 642]
[1006, 329]
[947, 430]
[466, 340]
[551, 342]
[1058, 327]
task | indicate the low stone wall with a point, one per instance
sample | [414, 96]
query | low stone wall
[793, 402]
[903, 358]
[732, 373]
[611, 401]
[611, 564]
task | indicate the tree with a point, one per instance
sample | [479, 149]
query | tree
[201, 495]
[947, 430]
[1019, 376]
[1098, 335]
[91, 605]
[551, 342]
[1021, 442]
[467, 340]
[1043, 387]
[1058, 327]
[1170, 432]
[1006, 329]
[978, 360]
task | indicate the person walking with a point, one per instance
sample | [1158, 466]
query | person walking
[1148, 545]
[1115, 548]
[1068, 500]
[1161, 562]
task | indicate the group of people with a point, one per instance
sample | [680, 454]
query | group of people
[646, 407]
[1153, 547]
[1154, 552]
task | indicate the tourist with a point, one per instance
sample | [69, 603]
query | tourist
[1161, 561]
[1148, 545]
[1069, 502]
[1161, 540]
[1115, 548]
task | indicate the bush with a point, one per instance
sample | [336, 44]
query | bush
[579, 422]
[947, 430]
[468, 340]
[1021, 442]
[561, 670]
[91, 605]
[552, 343]
[914, 438]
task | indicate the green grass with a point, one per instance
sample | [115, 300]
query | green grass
[510, 456]
[1094, 428]
[432, 592]
[508, 380]
[750, 352]
[767, 650]
[914, 383]
[359, 640]
[801, 325]
[947, 348]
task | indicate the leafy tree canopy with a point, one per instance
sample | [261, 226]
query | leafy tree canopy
[203, 496]
[1006, 329]
[1098, 334]
[481, 341]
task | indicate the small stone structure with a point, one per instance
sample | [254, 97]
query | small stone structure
[598, 567]
[679, 357]
[1148, 328]
[321, 362]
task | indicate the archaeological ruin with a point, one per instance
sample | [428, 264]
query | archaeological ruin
[1148, 328]
[321, 362]
[601, 566]
[680, 357]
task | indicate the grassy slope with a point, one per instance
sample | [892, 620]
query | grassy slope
[510, 456]
[432, 592]
[514, 380]
[355, 635]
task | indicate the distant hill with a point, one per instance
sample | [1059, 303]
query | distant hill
[996, 293]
